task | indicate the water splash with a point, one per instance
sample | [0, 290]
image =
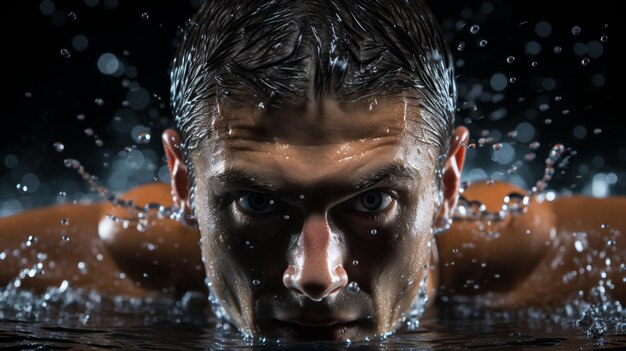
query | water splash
[418, 307]
[141, 214]
[514, 203]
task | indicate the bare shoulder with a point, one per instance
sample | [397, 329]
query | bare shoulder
[554, 251]
[584, 212]
[162, 255]
[46, 246]
[50, 225]
[480, 257]
[81, 245]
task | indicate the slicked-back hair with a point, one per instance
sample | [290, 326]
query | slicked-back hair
[292, 51]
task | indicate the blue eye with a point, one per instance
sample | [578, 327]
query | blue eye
[373, 201]
[256, 203]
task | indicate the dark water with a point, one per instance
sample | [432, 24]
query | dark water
[80, 321]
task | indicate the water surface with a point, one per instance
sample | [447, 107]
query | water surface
[64, 320]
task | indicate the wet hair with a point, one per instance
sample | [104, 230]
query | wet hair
[291, 51]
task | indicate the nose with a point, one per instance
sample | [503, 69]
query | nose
[316, 271]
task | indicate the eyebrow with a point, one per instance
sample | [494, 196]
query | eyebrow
[392, 170]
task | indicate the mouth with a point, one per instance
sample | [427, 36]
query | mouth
[317, 331]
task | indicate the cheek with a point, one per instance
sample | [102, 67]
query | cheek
[230, 283]
[404, 266]
[247, 255]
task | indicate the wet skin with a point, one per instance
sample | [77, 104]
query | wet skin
[285, 206]
[280, 200]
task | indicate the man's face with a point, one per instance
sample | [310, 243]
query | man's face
[316, 221]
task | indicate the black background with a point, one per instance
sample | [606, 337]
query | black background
[45, 91]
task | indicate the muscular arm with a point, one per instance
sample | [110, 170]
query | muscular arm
[535, 260]
[59, 252]
[116, 261]
[589, 250]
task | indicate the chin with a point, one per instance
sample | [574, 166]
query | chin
[304, 331]
[291, 331]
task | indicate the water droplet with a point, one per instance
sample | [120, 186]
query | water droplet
[534, 145]
[286, 217]
[353, 287]
[145, 16]
[65, 237]
[71, 163]
[21, 188]
[65, 221]
[604, 38]
[80, 117]
[461, 46]
[58, 147]
[483, 43]
[512, 80]
[530, 156]
[584, 61]
[88, 131]
[534, 63]
[576, 30]
[579, 246]
[82, 266]
[510, 59]
[31, 240]
[144, 137]
[558, 49]
[474, 29]
[497, 146]
[471, 146]
[597, 131]
[604, 226]
[374, 232]
[261, 106]
[256, 282]
[99, 101]
[65, 53]
[355, 262]
[72, 16]
[28, 94]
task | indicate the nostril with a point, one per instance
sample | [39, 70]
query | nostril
[314, 291]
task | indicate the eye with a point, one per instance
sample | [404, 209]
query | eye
[256, 203]
[373, 201]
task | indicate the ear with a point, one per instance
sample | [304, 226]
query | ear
[451, 179]
[178, 173]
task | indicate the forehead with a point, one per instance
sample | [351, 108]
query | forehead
[315, 143]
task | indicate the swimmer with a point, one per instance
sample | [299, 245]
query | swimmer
[314, 159]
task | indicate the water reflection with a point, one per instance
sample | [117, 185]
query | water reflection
[65, 318]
